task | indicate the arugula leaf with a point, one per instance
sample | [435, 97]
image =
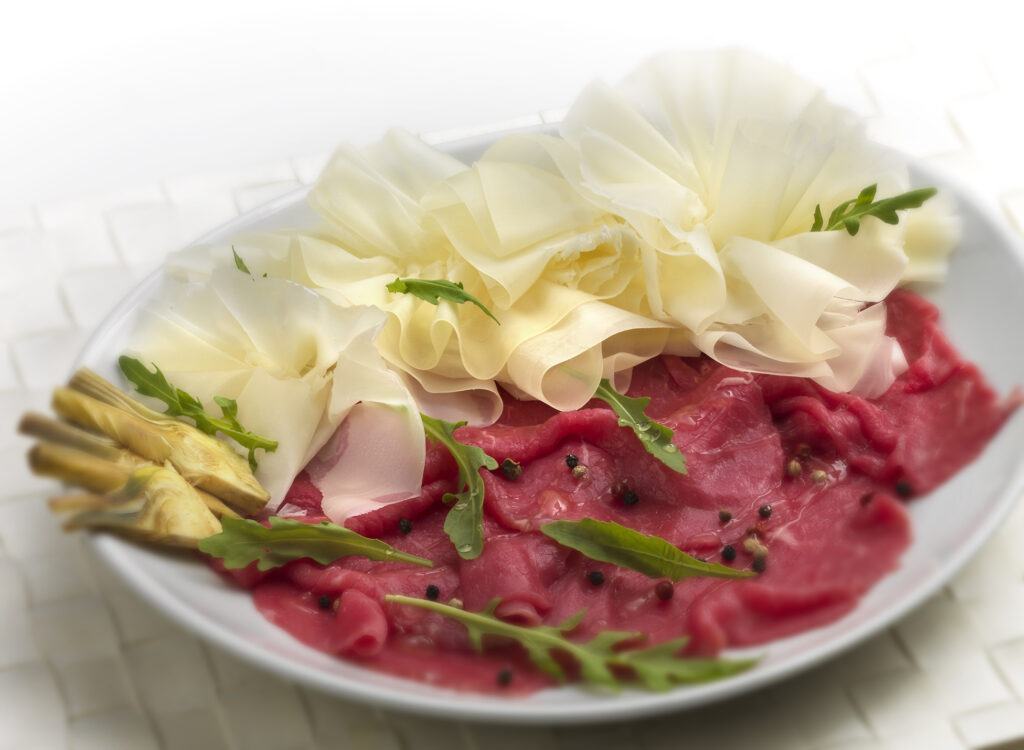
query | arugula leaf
[239, 263]
[656, 438]
[182, 404]
[244, 541]
[848, 214]
[653, 556]
[434, 290]
[464, 523]
[599, 659]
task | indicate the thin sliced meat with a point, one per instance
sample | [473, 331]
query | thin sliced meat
[809, 483]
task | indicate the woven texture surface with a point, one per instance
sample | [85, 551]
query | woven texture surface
[85, 664]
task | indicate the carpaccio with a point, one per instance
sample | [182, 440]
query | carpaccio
[818, 478]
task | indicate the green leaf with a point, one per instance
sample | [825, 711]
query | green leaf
[610, 542]
[239, 263]
[434, 290]
[658, 667]
[818, 221]
[848, 214]
[244, 541]
[656, 438]
[464, 523]
[152, 384]
[600, 660]
[182, 404]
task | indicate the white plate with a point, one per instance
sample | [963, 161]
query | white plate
[982, 307]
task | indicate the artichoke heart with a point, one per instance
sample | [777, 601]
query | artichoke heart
[155, 505]
[203, 460]
[98, 468]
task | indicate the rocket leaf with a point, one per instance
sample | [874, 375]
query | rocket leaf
[464, 523]
[848, 214]
[434, 290]
[601, 660]
[244, 541]
[653, 556]
[182, 404]
[656, 438]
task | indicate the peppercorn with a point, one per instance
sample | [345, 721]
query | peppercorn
[571, 460]
[803, 450]
[504, 676]
[511, 469]
[818, 475]
[596, 577]
[664, 590]
[433, 592]
[324, 601]
[579, 471]
[404, 525]
[630, 498]
[904, 489]
[725, 516]
[754, 547]
[728, 553]
[765, 511]
[760, 564]
[794, 468]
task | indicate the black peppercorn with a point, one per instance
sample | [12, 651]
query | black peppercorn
[903, 489]
[596, 577]
[504, 676]
[664, 590]
[725, 516]
[760, 563]
[404, 525]
[324, 601]
[728, 553]
[433, 592]
[571, 460]
[765, 511]
[630, 498]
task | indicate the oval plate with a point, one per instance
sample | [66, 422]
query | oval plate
[980, 298]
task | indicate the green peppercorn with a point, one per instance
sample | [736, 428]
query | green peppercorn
[511, 469]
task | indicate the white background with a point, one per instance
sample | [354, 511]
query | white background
[98, 96]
